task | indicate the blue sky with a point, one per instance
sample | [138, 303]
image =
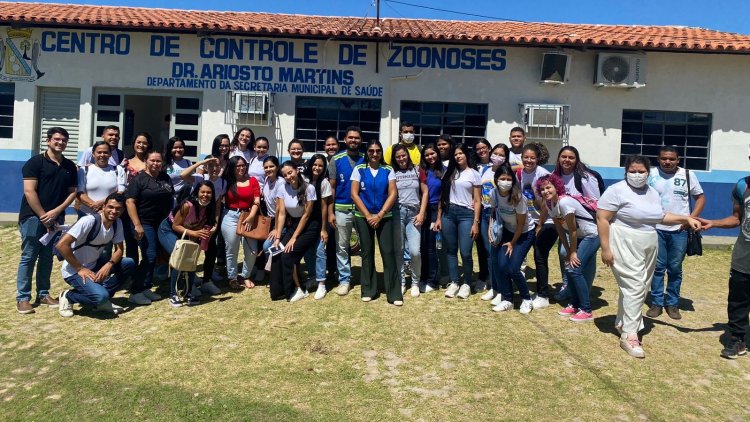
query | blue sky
[722, 15]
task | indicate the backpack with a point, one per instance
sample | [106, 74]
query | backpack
[739, 191]
[90, 237]
[589, 204]
[599, 181]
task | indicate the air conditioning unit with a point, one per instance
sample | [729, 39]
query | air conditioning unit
[250, 102]
[544, 116]
[620, 70]
[555, 68]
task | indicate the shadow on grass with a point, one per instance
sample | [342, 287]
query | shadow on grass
[606, 324]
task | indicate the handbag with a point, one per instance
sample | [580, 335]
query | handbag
[694, 239]
[184, 256]
[259, 229]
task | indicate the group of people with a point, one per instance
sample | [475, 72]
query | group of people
[425, 206]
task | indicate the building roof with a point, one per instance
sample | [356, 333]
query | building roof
[664, 38]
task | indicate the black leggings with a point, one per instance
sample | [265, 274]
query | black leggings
[545, 239]
[282, 284]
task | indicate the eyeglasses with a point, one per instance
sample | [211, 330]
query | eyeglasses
[375, 151]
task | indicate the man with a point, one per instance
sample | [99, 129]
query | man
[49, 186]
[341, 216]
[675, 186]
[95, 277]
[110, 135]
[517, 139]
[738, 305]
[406, 137]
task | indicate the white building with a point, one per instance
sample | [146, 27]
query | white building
[608, 90]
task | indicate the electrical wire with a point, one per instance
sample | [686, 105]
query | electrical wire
[453, 11]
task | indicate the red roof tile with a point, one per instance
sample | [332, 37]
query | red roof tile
[673, 38]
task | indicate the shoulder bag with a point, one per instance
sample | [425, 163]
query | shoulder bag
[694, 239]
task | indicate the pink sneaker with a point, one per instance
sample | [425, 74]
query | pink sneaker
[582, 316]
[568, 311]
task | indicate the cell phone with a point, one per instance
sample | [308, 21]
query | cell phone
[275, 250]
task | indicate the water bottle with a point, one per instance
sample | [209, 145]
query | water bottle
[438, 240]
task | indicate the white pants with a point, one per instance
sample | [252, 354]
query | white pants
[634, 253]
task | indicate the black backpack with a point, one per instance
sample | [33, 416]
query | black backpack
[599, 181]
[93, 233]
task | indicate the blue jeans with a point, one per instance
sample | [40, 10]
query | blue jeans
[430, 265]
[167, 239]
[33, 252]
[411, 239]
[672, 247]
[149, 248]
[315, 260]
[344, 226]
[456, 235]
[578, 281]
[93, 294]
[249, 246]
[589, 272]
[508, 268]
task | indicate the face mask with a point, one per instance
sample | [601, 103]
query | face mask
[637, 180]
[497, 160]
[407, 137]
[504, 185]
[202, 203]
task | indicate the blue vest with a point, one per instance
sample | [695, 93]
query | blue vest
[373, 190]
[343, 197]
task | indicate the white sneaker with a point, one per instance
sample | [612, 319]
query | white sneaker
[398, 302]
[65, 308]
[366, 299]
[195, 291]
[298, 295]
[151, 295]
[504, 305]
[464, 291]
[496, 301]
[109, 307]
[321, 292]
[210, 288]
[342, 290]
[489, 295]
[540, 302]
[526, 307]
[139, 299]
[428, 288]
[451, 290]
[415, 290]
[480, 286]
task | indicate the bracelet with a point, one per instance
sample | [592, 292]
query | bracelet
[111, 262]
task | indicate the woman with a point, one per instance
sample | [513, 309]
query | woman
[220, 149]
[141, 146]
[175, 162]
[316, 259]
[484, 166]
[627, 214]
[576, 228]
[331, 147]
[512, 244]
[497, 159]
[242, 144]
[411, 207]
[255, 165]
[269, 193]
[458, 217]
[546, 234]
[295, 202]
[150, 196]
[295, 150]
[98, 180]
[373, 194]
[445, 147]
[431, 172]
[578, 179]
[195, 219]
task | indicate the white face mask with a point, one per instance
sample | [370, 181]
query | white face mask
[407, 137]
[504, 185]
[637, 180]
[203, 204]
[497, 160]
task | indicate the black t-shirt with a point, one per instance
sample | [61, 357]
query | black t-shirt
[153, 196]
[53, 183]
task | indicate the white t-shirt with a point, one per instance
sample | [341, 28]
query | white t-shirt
[488, 183]
[88, 255]
[248, 154]
[255, 169]
[584, 220]
[635, 208]
[374, 172]
[407, 183]
[673, 190]
[515, 160]
[325, 189]
[175, 170]
[462, 187]
[270, 192]
[99, 182]
[507, 212]
[528, 180]
[289, 196]
[589, 185]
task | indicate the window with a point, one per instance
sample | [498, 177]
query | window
[645, 132]
[465, 122]
[7, 97]
[316, 118]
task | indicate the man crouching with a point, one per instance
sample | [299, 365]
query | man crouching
[93, 276]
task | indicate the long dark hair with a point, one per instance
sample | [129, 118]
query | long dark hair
[148, 141]
[229, 173]
[275, 162]
[382, 151]
[452, 172]
[168, 158]
[217, 143]
[515, 189]
[401, 147]
[309, 172]
[302, 189]
[580, 172]
[235, 144]
[193, 199]
[437, 168]
[489, 150]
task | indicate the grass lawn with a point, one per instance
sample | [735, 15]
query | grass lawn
[242, 357]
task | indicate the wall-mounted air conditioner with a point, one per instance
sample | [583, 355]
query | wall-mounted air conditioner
[246, 102]
[253, 108]
[555, 68]
[620, 70]
[544, 115]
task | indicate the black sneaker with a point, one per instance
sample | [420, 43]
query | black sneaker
[734, 349]
[192, 301]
